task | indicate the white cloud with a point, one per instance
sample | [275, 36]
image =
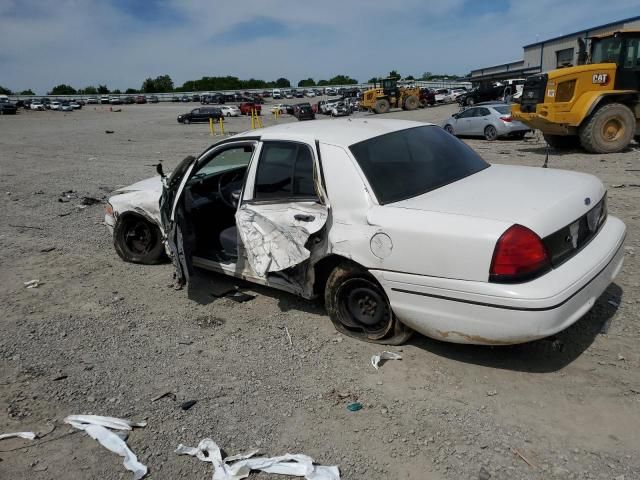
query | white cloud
[86, 42]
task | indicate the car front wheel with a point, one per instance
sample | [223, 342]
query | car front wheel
[186, 121]
[137, 240]
[449, 129]
[359, 307]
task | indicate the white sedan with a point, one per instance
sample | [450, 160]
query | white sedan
[397, 224]
[230, 110]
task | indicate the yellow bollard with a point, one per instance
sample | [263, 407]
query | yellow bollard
[221, 126]
[253, 120]
[212, 128]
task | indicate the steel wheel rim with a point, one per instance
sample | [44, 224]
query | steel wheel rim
[612, 129]
[491, 133]
[363, 305]
[140, 237]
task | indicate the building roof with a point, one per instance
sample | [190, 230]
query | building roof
[586, 30]
[343, 132]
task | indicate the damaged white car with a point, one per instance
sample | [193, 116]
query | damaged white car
[399, 225]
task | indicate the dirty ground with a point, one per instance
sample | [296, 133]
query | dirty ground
[100, 336]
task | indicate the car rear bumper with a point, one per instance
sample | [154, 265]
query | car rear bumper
[492, 314]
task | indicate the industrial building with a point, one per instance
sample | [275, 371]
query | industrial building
[549, 54]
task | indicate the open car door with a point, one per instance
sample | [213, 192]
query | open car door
[283, 205]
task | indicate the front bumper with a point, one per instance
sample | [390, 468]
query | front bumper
[493, 314]
[538, 121]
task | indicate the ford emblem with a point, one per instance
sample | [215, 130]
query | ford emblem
[587, 201]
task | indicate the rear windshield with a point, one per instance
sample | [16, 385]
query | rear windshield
[411, 162]
[502, 109]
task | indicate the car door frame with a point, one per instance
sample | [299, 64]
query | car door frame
[462, 126]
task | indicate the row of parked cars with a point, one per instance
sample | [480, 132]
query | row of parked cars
[128, 100]
[204, 113]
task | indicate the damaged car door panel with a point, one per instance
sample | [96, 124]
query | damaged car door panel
[400, 226]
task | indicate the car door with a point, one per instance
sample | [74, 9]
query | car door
[481, 118]
[463, 122]
[174, 206]
[282, 206]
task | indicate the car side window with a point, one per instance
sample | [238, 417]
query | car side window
[195, 111]
[482, 112]
[468, 113]
[285, 170]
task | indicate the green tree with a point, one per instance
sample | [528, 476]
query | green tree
[373, 80]
[426, 76]
[90, 90]
[131, 90]
[163, 84]
[342, 80]
[409, 77]
[5, 91]
[117, 91]
[394, 74]
[148, 86]
[323, 83]
[27, 92]
[102, 89]
[282, 83]
[309, 82]
[63, 89]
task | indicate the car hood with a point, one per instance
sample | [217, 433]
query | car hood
[153, 184]
[544, 200]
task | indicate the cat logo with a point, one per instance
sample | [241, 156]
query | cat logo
[600, 78]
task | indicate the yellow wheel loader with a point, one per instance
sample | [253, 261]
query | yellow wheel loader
[595, 104]
[389, 95]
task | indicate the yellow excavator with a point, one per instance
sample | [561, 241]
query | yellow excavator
[389, 95]
[595, 104]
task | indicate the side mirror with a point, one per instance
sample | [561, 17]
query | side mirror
[160, 170]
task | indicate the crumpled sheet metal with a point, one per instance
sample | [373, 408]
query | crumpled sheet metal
[237, 467]
[278, 242]
[25, 435]
[96, 427]
[375, 359]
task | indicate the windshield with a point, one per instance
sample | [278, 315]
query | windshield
[411, 162]
[606, 50]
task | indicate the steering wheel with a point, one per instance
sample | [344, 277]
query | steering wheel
[230, 187]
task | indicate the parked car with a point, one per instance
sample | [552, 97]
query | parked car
[202, 114]
[340, 109]
[93, 100]
[279, 107]
[104, 99]
[175, 99]
[140, 99]
[418, 235]
[55, 105]
[195, 98]
[488, 120]
[305, 112]
[152, 99]
[115, 101]
[230, 111]
[483, 93]
[185, 98]
[247, 107]
[276, 94]
[288, 95]
[75, 105]
[36, 105]
[7, 107]
[427, 97]
[65, 107]
[441, 95]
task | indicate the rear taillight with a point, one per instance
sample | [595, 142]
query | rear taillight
[519, 255]
[506, 119]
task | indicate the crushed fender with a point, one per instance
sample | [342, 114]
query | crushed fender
[377, 358]
[97, 427]
[237, 467]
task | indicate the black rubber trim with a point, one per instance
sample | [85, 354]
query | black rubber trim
[506, 307]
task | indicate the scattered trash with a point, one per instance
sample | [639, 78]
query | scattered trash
[170, 395]
[25, 226]
[65, 214]
[619, 185]
[25, 435]
[60, 377]
[108, 131]
[97, 427]
[32, 284]
[188, 404]
[89, 201]
[621, 357]
[288, 335]
[69, 194]
[354, 407]
[47, 249]
[237, 467]
[492, 393]
[613, 303]
[483, 474]
[517, 452]
[240, 297]
[376, 359]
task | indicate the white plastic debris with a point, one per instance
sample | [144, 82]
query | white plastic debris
[375, 359]
[25, 435]
[95, 426]
[32, 284]
[237, 467]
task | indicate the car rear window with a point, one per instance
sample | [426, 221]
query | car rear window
[503, 110]
[408, 163]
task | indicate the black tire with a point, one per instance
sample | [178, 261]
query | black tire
[490, 133]
[609, 129]
[519, 135]
[470, 101]
[449, 129]
[562, 141]
[186, 121]
[382, 106]
[358, 307]
[411, 102]
[137, 240]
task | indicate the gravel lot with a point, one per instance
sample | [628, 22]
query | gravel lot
[105, 337]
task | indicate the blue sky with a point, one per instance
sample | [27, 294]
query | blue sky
[121, 42]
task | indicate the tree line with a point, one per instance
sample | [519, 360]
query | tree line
[164, 84]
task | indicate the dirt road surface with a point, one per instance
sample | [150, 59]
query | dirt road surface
[102, 336]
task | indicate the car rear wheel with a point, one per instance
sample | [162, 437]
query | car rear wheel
[448, 128]
[490, 133]
[470, 101]
[137, 240]
[359, 307]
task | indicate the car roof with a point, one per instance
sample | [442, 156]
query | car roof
[338, 132]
